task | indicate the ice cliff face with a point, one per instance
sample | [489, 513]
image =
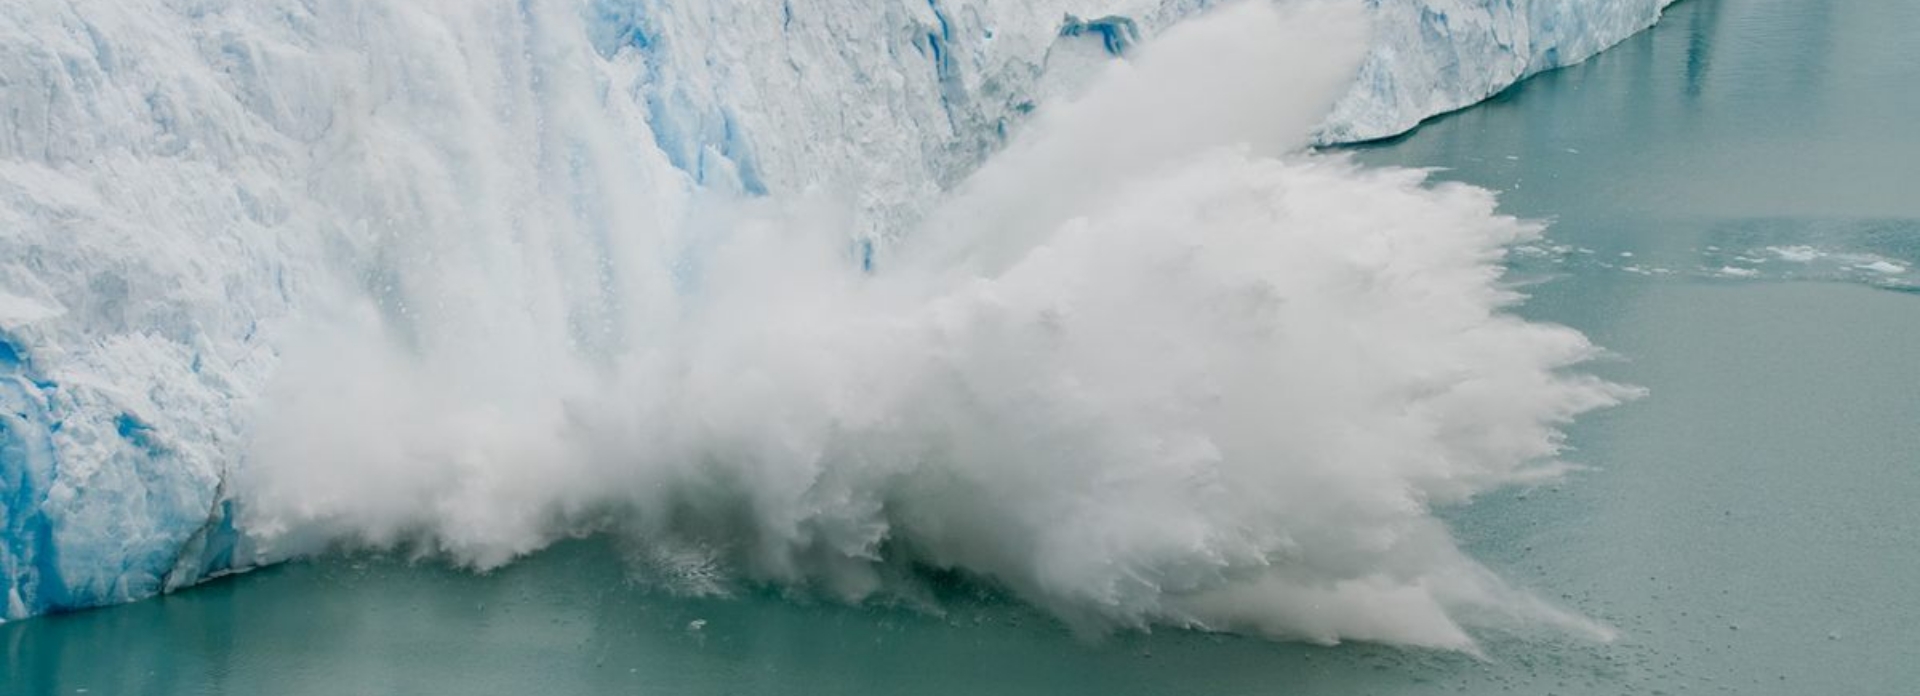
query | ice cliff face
[1435, 56]
[181, 179]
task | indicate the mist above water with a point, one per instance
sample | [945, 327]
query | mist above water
[1151, 365]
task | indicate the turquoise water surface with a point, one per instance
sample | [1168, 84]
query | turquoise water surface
[1735, 208]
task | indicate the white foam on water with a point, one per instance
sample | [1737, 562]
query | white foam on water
[1797, 254]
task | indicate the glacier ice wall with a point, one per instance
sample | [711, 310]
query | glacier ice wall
[1435, 56]
[733, 94]
[194, 193]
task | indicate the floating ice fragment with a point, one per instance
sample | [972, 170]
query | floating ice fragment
[1797, 254]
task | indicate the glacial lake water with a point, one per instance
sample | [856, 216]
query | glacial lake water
[1735, 208]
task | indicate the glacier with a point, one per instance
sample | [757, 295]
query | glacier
[194, 193]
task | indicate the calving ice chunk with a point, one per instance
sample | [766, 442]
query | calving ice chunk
[467, 274]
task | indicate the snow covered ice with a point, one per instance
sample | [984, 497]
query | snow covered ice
[275, 274]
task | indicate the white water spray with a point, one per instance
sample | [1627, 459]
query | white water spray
[1149, 365]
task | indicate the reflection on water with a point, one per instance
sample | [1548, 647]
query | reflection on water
[1701, 17]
